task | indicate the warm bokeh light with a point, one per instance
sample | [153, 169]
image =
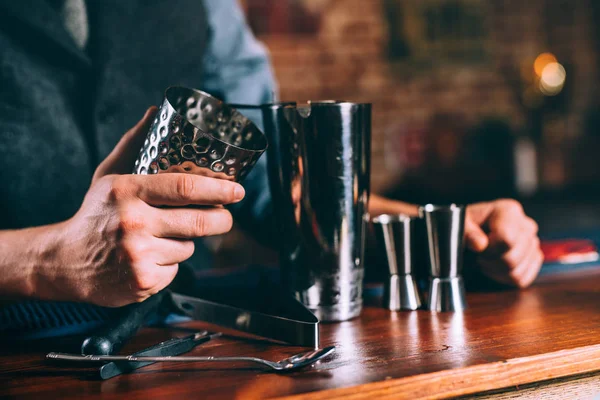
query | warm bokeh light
[542, 61]
[552, 79]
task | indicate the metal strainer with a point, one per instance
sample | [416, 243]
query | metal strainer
[195, 132]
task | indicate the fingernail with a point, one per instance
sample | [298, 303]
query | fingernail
[239, 192]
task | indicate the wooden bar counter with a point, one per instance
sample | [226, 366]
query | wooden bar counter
[504, 340]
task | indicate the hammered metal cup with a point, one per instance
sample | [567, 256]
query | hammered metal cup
[195, 132]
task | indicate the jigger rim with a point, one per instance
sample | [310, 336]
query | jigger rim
[439, 207]
[390, 218]
[330, 103]
[226, 106]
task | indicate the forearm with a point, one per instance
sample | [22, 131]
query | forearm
[24, 254]
[380, 205]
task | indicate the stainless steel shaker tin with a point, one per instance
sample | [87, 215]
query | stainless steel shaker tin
[319, 162]
[197, 133]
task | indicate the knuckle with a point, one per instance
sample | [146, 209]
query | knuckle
[143, 284]
[510, 259]
[514, 276]
[505, 236]
[539, 260]
[132, 251]
[512, 206]
[184, 186]
[534, 225]
[200, 225]
[130, 220]
[541, 257]
[521, 283]
[120, 187]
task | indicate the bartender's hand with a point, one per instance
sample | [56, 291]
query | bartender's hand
[499, 231]
[506, 240]
[123, 246]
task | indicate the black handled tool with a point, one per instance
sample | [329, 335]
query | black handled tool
[122, 328]
[169, 348]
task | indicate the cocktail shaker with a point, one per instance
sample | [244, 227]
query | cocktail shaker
[319, 165]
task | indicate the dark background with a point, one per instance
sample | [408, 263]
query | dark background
[459, 112]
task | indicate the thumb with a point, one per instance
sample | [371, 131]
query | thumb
[121, 159]
[475, 237]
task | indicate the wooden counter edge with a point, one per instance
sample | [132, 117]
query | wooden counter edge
[470, 380]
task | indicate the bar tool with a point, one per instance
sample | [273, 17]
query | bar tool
[263, 310]
[318, 165]
[169, 348]
[122, 327]
[197, 133]
[292, 363]
[393, 234]
[445, 231]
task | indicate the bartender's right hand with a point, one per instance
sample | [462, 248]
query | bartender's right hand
[132, 231]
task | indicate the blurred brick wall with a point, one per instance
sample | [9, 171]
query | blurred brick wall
[347, 59]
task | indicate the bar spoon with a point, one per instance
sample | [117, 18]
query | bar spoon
[294, 362]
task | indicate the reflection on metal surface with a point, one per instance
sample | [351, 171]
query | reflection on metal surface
[445, 236]
[319, 161]
[393, 234]
[196, 133]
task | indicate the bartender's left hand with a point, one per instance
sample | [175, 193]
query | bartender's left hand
[504, 238]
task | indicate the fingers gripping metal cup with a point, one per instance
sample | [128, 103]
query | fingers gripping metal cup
[445, 231]
[393, 234]
[195, 132]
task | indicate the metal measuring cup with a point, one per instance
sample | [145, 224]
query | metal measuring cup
[394, 239]
[445, 236]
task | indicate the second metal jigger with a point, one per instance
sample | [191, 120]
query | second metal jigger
[445, 229]
[393, 234]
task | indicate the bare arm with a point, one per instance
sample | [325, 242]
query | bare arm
[380, 205]
[22, 253]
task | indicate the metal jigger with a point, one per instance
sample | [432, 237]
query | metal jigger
[445, 229]
[393, 234]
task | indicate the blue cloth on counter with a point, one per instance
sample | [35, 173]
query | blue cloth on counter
[42, 319]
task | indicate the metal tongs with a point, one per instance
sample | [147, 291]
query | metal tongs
[263, 310]
[284, 319]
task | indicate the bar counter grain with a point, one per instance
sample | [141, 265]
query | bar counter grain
[504, 340]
